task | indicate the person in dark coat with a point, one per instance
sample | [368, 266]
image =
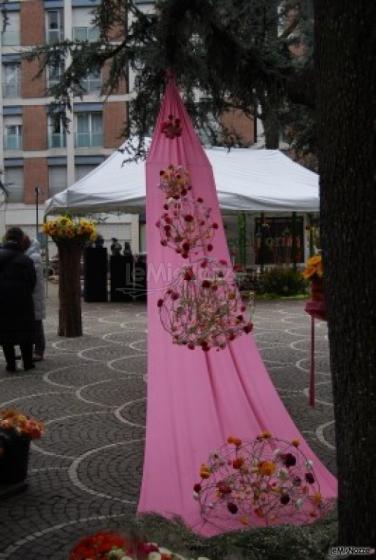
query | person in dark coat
[17, 282]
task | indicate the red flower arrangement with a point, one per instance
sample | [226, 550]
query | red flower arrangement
[107, 545]
[267, 479]
[97, 546]
[175, 181]
[172, 127]
[202, 307]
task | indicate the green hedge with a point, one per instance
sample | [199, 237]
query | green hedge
[282, 282]
[287, 542]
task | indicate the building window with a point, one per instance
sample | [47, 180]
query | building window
[57, 179]
[11, 34]
[92, 83]
[54, 75]
[81, 171]
[83, 28]
[13, 137]
[88, 130]
[56, 134]
[54, 26]
[11, 80]
[14, 183]
[90, 34]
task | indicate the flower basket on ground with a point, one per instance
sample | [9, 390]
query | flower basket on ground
[108, 545]
[70, 237]
[16, 432]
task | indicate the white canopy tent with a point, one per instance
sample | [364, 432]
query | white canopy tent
[247, 180]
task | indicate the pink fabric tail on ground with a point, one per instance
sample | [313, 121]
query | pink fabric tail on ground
[197, 399]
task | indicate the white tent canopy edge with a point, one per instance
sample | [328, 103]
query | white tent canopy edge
[247, 180]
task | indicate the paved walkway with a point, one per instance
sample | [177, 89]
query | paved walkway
[85, 472]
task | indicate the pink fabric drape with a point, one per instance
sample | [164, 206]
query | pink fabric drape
[195, 399]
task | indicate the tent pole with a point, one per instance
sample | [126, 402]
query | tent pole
[293, 247]
[262, 242]
[242, 238]
[47, 259]
[311, 247]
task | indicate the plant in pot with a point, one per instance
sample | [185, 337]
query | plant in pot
[16, 432]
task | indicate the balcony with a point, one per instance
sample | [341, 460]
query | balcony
[87, 140]
[90, 34]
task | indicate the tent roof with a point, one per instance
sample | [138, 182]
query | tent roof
[246, 179]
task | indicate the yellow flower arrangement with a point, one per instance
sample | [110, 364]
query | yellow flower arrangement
[314, 267]
[65, 228]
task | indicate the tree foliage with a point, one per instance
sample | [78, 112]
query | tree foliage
[226, 54]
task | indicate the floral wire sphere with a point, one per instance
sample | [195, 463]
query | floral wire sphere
[186, 223]
[267, 480]
[172, 127]
[65, 229]
[186, 227]
[202, 307]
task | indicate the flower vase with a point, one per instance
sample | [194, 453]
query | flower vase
[14, 458]
[70, 321]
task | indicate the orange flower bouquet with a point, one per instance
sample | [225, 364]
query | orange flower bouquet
[21, 424]
[16, 432]
[314, 272]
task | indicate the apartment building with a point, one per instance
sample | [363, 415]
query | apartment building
[38, 158]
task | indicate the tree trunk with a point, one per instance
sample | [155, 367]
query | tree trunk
[345, 46]
[271, 128]
[70, 323]
[269, 103]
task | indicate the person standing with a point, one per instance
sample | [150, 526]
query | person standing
[17, 282]
[32, 250]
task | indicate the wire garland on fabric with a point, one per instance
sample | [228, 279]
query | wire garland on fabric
[202, 307]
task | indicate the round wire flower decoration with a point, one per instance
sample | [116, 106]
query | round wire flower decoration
[263, 481]
[186, 223]
[186, 226]
[202, 306]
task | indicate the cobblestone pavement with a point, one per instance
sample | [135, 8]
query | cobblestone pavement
[85, 472]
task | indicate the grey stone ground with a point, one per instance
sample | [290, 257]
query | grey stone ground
[85, 472]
